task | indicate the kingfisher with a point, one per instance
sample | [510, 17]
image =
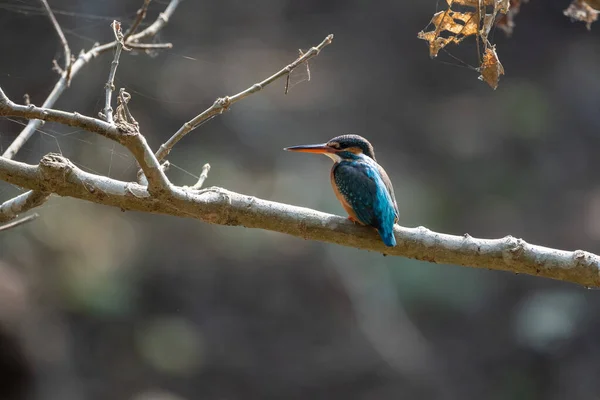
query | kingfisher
[360, 184]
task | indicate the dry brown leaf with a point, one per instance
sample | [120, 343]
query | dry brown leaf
[457, 25]
[506, 21]
[581, 10]
[491, 68]
[595, 4]
[475, 18]
[451, 26]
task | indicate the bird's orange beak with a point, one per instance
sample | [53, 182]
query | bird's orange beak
[312, 148]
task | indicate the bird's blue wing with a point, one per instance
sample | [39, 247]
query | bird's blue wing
[390, 188]
[358, 190]
[363, 188]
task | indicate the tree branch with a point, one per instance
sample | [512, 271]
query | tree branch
[219, 206]
[63, 40]
[150, 46]
[110, 84]
[11, 209]
[31, 199]
[222, 104]
[82, 60]
[123, 132]
[18, 222]
[141, 14]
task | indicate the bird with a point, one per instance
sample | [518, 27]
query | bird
[360, 184]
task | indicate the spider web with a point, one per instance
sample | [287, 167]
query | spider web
[86, 150]
[448, 57]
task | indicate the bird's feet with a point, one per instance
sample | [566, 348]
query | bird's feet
[353, 220]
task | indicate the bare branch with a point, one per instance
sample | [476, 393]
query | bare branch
[9, 108]
[157, 25]
[63, 40]
[122, 131]
[34, 198]
[80, 62]
[202, 178]
[222, 104]
[11, 209]
[220, 206]
[141, 14]
[18, 222]
[150, 46]
[110, 84]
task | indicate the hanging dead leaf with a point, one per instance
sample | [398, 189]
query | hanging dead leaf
[491, 68]
[581, 10]
[506, 21]
[595, 4]
[469, 18]
[456, 25]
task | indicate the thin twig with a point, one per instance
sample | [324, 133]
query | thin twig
[9, 108]
[110, 84]
[158, 24]
[222, 104]
[123, 132]
[202, 178]
[150, 46]
[24, 202]
[83, 59]
[18, 222]
[35, 198]
[63, 40]
[141, 14]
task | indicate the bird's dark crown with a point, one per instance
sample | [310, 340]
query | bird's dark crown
[353, 144]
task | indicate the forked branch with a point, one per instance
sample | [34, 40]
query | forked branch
[223, 103]
[10, 209]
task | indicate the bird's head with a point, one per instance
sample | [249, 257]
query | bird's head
[345, 147]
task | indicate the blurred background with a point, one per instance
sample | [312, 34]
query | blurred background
[100, 304]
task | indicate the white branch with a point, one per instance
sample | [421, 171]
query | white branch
[11, 209]
[63, 40]
[122, 132]
[76, 67]
[18, 222]
[219, 206]
[110, 84]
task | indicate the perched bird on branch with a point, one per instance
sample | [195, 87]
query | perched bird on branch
[359, 183]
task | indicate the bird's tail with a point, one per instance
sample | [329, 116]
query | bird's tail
[387, 235]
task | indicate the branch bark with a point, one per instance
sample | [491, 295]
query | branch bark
[18, 222]
[10, 209]
[82, 60]
[219, 206]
